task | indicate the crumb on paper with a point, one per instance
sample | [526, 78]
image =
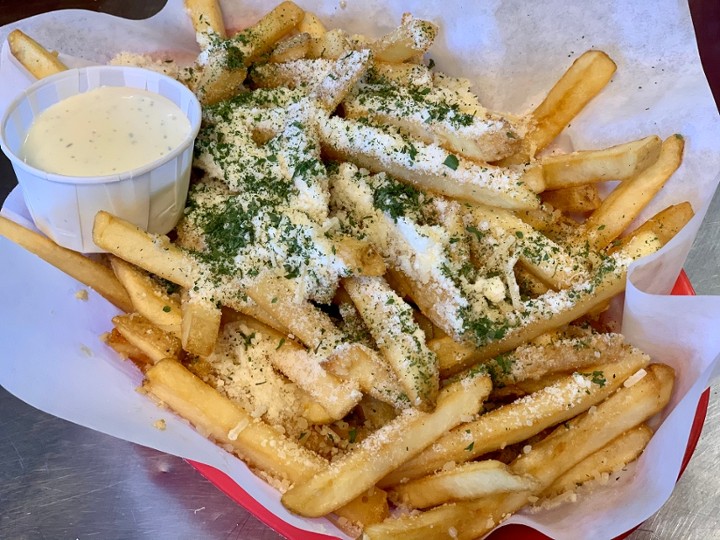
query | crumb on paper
[82, 294]
[87, 351]
[198, 510]
[160, 424]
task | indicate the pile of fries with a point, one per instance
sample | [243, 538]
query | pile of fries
[384, 298]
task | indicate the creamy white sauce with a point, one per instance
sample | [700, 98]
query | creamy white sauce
[107, 130]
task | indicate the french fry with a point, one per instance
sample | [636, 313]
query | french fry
[412, 37]
[291, 48]
[400, 340]
[148, 297]
[615, 163]
[311, 25]
[575, 199]
[331, 45]
[207, 18]
[541, 256]
[346, 71]
[427, 167]
[590, 432]
[307, 323]
[626, 201]
[385, 449]
[403, 74]
[521, 419]
[611, 458]
[217, 416]
[535, 361]
[34, 57]
[585, 78]
[157, 255]
[336, 396]
[87, 271]
[664, 225]
[546, 461]
[368, 369]
[154, 343]
[250, 438]
[200, 324]
[606, 281]
[465, 482]
[228, 60]
[434, 115]
[124, 348]
[153, 253]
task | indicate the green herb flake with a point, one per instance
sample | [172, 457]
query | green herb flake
[452, 162]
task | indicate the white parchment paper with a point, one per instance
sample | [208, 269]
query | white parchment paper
[513, 51]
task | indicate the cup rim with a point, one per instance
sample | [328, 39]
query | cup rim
[110, 178]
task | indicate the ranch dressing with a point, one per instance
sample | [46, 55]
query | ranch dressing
[105, 131]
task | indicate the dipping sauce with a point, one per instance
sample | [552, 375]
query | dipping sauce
[107, 130]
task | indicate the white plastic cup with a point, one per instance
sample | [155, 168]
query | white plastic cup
[64, 207]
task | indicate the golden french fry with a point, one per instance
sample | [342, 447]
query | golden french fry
[611, 458]
[250, 438]
[434, 115]
[307, 323]
[210, 412]
[153, 253]
[402, 343]
[200, 324]
[546, 461]
[587, 76]
[412, 37]
[615, 163]
[606, 281]
[403, 74]
[87, 271]
[372, 374]
[664, 225]
[34, 57]
[521, 419]
[226, 67]
[124, 348]
[454, 517]
[626, 201]
[464, 482]
[207, 18]
[154, 343]
[532, 361]
[341, 78]
[291, 48]
[149, 298]
[306, 370]
[426, 166]
[574, 199]
[385, 449]
[331, 45]
[311, 25]
[546, 259]
[628, 407]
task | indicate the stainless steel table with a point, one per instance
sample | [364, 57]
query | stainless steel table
[62, 481]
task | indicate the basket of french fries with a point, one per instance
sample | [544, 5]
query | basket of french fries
[395, 297]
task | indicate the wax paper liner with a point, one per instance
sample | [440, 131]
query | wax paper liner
[513, 51]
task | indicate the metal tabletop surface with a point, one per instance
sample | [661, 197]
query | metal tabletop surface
[62, 481]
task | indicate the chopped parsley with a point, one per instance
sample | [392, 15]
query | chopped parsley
[452, 162]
